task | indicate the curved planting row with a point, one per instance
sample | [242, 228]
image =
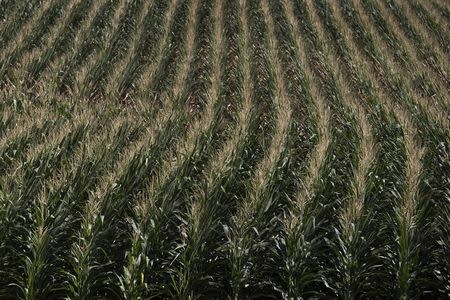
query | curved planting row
[13, 16]
[29, 38]
[428, 140]
[208, 149]
[427, 53]
[91, 39]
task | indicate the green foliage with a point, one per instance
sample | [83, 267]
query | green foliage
[190, 184]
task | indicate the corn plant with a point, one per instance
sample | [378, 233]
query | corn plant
[208, 149]
[32, 38]
[431, 25]
[14, 15]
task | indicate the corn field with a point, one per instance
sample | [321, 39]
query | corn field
[238, 149]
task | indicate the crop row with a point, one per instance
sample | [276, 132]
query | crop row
[224, 149]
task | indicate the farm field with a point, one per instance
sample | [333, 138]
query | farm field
[238, 149]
